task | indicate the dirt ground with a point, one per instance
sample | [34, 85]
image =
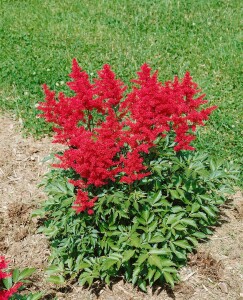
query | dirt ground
[214, 272]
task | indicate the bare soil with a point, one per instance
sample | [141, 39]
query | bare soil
[215, 271]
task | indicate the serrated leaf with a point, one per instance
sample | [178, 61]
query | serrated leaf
[108, 263]
[175, 194]
[135, 273]
[193, 240]
[200, 215]
[157, 239]
[67, 202]
[107, 280]
[177, 209]
[145, 215]
[155, 260]
[157, 197]
[90, 280]
[169, 279]
[56, 279]
[135, 241]
[171, 219]
[40, 212]
[199, 235]
[127, 255]
[142, 285]
[164, 202]
[159, 251]
[170, 270]
[157, 275]
[209, 211]
[188, 222]
[54, 269]
[195, 207]
[141, 258]
[179, 227]
[135, 205]
[153, 226]
[151, 273]
[180, 255]
[182, 244]
[151, 219]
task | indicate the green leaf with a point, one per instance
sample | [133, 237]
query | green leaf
[135, 240]
[193, 240]
[199, 235]
[107, 280]
[36, 296]
[179, 227]
[151, 273]
[166, 262]
[135, 205]
[145, 215]
[56, 279]
[195, 207]
[160, 251]
[90, 280]
[180, 255]
[26, 273]
[169, 279]
[127, 255]
[157, 197]
[164, 202]
[157, 239]
[188, 222]
[141, 258]
[15, 275]
[157, 275]
[182, 244]
[108, 263]
[153, 226]
[171, 219]
[142, 285]
[170, 270]
[175, 194]
[7, 282]
[209, 211]
[155, 260]
[200, 215]
[67, 202]
[177, 209]
[135, 273]
[40, 212]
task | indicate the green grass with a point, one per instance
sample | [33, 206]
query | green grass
[40, 38]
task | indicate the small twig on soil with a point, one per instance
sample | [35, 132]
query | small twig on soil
[220, 238]
[188, 276]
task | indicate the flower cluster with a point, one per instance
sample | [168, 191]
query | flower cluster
[6, 294]
[108, 133]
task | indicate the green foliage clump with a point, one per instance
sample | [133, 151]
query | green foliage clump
[141, 232]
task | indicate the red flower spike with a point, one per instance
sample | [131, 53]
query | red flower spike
[108, 136]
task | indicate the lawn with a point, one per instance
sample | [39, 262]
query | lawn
[40, 38]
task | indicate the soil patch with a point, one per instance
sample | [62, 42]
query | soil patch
[214, 272]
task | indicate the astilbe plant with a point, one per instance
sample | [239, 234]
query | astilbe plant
[145, 197]
[111, 136]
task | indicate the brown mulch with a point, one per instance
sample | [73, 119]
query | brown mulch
[214, 272]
